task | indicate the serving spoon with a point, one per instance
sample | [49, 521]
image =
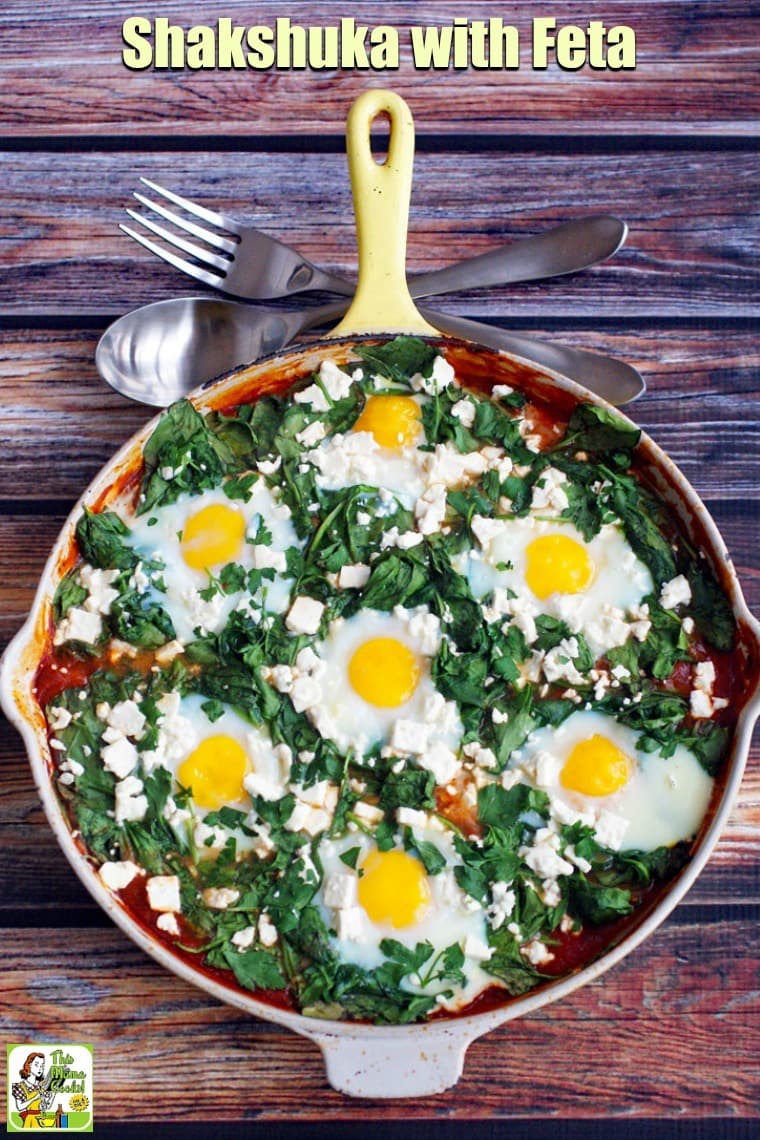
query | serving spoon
[158, 353]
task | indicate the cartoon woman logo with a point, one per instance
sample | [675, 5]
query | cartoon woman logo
[32, 1093]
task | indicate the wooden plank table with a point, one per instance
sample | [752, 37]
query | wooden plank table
[666, 1045]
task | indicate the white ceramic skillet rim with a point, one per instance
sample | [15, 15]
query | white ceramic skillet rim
[366, 1060]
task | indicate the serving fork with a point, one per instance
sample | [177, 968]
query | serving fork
[244, 262]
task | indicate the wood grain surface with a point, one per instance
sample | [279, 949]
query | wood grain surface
[663, 1046]
[690, 253]
[694, 74]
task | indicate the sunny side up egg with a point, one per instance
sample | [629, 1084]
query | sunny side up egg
[592, 769]
[199, 534]
[374, 672]
[389, 895]
[549, 563]
[379, 450]
[211, 759]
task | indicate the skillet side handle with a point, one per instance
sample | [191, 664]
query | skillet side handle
[393, 1067]
[381, 194]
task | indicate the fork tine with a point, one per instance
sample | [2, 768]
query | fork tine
[212, 279]
[226, 244]
[223, 221]
[202, 255]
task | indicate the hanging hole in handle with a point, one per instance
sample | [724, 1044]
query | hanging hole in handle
[380, 137]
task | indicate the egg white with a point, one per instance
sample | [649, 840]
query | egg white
[663, 802]
[346, 459]
[162, 541]
[620, 578]
[353, 722]
[183, 726]
[447, 919]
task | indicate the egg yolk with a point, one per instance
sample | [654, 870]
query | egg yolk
[394, 421]
[596, 767]
[557, 564]
[211, 536]
[384, 672]
[214, 772]
[393, 888]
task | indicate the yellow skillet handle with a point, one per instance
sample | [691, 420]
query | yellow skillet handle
[381, 195]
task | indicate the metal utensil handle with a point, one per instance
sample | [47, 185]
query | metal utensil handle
[381, 193]
[563, 249]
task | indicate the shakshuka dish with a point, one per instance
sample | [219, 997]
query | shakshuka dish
[387, 697]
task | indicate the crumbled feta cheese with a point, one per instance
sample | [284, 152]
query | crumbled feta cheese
[441, 761]
[607, 630]
[674, 593]
[314, 396]
[368, 813]
[340, 890]
[163, 893]
[464, 411]
[121, 757]
[305, 692]
[549, 492]
[409, 817]
[502, 905]
[168, 924]
[353, 576]
[306, 818]
[130, 803]
[558, 662]
[165, 654]
[536, 952]
[544, 858]
[59, 718]
[425, 628]
[700, 704]
[485, 529]
[483, 757]
[610, 829]
[410, 737]
[704, 676]
[337, 383]
[219, 898]
[430, 509]
[546, 769]
[127, 719]
[312, 434]
[118, 875]
[100, 592]
[244, 938]
[267, 930]
[264, 558]
[257, 784]
[475, 948]
[304, 615]
[349, 924]
[79, 625]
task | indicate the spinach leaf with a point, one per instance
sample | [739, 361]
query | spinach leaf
[711, 609]
[183, 443]
[138, 620]
[254, 969]
[508, 965]
[599, 430]
[401, 358]
[69, 592]
[100, 537]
